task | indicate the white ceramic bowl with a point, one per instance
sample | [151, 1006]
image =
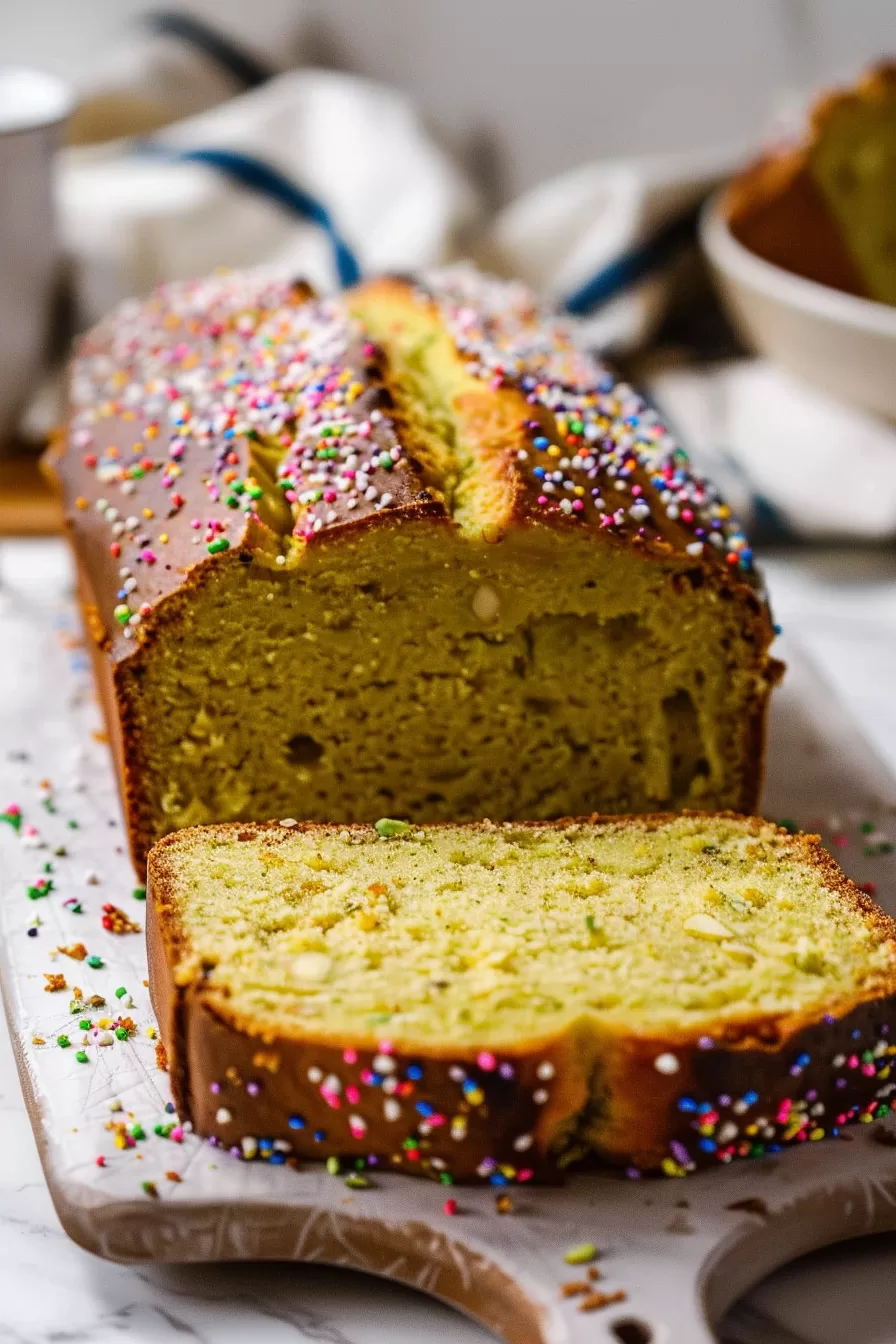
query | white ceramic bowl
[838, 342]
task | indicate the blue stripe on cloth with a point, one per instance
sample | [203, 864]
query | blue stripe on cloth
[266, 180]
[640, 261]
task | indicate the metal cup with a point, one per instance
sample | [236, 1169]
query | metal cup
[33, 110]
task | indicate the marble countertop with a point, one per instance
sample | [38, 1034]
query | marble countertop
[842, 606]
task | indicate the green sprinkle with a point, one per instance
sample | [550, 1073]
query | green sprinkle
[866, 827]
[582, 1254]
[84, 1025]
[61, 852]
[120, 992]
[787, 824]
[219, 544]
[77, 909]
[76, 1006]
[355, 1181]
[445, 1178]
[333, 1166]
[94, 962]
[122, 614]
[63, 1042]
[137, 1131]
[72, 825]
[13, 819]
[386, 828]
[232, 501]
[589, 923]
[139, 893]
[48, 867]
[149, 1188]
[121, 1033]
[81, 1056]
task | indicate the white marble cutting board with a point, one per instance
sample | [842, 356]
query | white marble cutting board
[677, 1249]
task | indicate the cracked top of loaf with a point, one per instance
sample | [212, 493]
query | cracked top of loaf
[242, 411]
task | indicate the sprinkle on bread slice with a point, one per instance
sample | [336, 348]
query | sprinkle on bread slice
[498, 1001]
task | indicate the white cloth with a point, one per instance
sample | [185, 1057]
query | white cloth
[565, 230]
[129, 222]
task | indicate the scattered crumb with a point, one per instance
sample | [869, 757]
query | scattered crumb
[54, 983]
[115, 920]
[38, 1040]
[575, 1288]
[594, 1301]
[172, 1176]
[161, 1056]
[681, 1226]
[503, 1204]
[77, 952]
[593, 1274]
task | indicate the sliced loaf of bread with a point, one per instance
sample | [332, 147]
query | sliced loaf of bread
[498, 1001]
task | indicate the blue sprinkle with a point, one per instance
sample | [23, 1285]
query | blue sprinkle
[708, 1145]
[497, 1178]
[704, 1108]
[296, 1122]
[687, 1104]
[469, 1085]
[376, 1079]
[424, 1108]
[750, 1098]
[169, 1107]
[320, 1135]
[539, 472]
[415, 1071]
[541, 442]
[803, 1060]
[277, 1159]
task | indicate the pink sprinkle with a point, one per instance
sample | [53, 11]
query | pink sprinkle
[329, 496]
[177, 1134]
[525, 1174]
[577, 506]
[386, 1048]
[366, 1077]
[840, 840]
[195, 523]
[853, 1061]
[350, 1056]
[352, 1094]
[369, 349]
[636, 491]
[148, 556]
[868, 1070]
[486, 1060]
[542, 499]
[13, 810]
[101, 1161]
[331, 1099]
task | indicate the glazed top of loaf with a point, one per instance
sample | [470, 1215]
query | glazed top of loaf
[241, 411]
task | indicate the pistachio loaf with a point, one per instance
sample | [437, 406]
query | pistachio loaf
[823, 205]
[497, 1001]
[412, 551]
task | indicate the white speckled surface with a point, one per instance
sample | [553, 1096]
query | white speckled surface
[654, 1250]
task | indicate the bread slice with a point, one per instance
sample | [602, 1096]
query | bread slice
[503, 1000]
[357, 556]
[823, 208]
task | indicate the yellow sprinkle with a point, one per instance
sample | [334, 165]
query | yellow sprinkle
[582, 1254]
[817, 1134]
[148, 513]
[80, 502]
[163, 537]
[553, 451]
